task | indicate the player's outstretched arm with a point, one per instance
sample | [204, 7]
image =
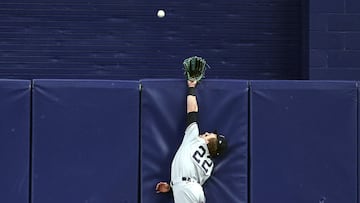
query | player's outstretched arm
[162, 187]
[192, 105]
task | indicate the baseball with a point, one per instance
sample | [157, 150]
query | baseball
[161, 13]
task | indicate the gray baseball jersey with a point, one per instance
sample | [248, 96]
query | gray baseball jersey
[192, 160]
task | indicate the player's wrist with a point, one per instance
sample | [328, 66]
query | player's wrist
[191, 83]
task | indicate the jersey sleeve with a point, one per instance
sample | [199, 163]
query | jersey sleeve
[191, 132]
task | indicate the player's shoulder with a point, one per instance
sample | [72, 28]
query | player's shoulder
[192, 127]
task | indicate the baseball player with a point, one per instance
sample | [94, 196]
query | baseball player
[192, 164]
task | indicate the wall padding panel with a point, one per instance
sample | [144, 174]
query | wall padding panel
[223, 105]
[14, 140]
[85, 141]
[358, 138]
[303, 141]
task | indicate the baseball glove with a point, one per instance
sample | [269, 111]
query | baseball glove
[194, 68]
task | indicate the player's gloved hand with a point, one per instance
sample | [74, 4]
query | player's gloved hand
[162, 187]
[194, 68]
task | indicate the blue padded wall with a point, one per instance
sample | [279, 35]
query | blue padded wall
[223, 105]
[14, 140]
[358, 139]
[85, 141]
[303, 141]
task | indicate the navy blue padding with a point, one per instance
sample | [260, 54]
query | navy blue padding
[85, 141]
[303, 141]
[14, 140]
[358, 138]
[223, 105]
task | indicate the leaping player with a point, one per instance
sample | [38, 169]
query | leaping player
[192, 164]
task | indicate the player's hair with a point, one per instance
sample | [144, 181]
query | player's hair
[212, 146]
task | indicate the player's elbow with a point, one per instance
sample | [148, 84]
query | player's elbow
[192, 109]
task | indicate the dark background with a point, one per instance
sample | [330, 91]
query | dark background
[247, 39]
[126, 40]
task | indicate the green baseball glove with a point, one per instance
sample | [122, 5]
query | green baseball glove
[194, 68]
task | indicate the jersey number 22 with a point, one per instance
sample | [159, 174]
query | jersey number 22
[203, 161]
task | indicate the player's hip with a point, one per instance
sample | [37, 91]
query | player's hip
[188, 192]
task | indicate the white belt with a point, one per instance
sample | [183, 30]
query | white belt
[182, 179]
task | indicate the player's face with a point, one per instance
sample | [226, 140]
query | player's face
[208, 135]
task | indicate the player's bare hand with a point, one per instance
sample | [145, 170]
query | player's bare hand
[162, 187]
[191, 83]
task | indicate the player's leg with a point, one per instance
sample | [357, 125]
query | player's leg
[197, 192]
[188, 192]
